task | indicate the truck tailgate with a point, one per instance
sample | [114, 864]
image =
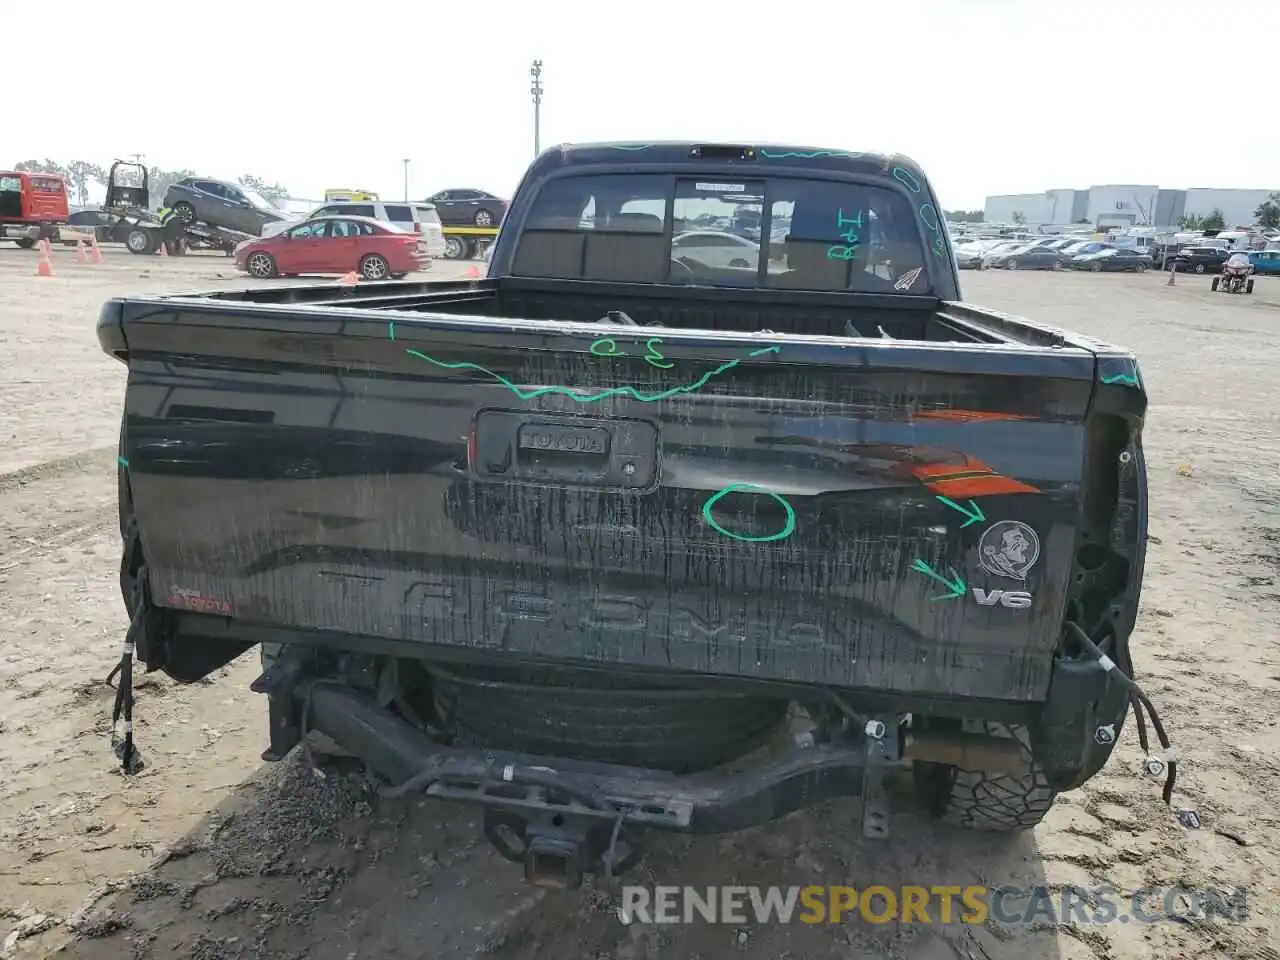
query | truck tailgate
[891, 515]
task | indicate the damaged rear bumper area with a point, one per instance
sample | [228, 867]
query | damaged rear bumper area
[565, 819]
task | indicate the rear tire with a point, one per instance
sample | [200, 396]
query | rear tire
[1200, 268]
[990, 802]
[1248, 287]
[374, 266]
[185, 212]
[1217, 282]
[454, 248]
[484, 218]
[25, 243]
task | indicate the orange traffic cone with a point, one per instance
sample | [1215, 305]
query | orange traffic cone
[95, 252]
[350, 279]
[473, 272]
[163, 250]
[82, 255]
[45, 267]
[1172, 273]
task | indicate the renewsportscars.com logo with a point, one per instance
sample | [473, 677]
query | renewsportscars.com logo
[935, 904]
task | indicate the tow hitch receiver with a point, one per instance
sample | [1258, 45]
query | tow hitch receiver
[563, 819]
[558, 849]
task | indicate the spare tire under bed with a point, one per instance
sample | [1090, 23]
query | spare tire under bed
[584, 715]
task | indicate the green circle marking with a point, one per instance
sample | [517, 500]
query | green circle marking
[610, 348]
[787, 530]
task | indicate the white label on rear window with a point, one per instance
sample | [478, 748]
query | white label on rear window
[720, 187]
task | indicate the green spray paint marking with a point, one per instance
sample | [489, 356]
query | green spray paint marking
[955, 584]
[122, 462]
[1123, 378]
[790, 154]
[788, 528]
[581, 397]
[608, 347]
[973, 511]
[907, 179]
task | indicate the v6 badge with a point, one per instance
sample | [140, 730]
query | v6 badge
[1011, 599]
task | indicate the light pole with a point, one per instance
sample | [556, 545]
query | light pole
[535, 71]
[406, 179]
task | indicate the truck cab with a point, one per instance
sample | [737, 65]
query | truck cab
[32, 206]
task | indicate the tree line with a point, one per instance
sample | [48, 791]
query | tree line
[1266, 215]
[81, 173]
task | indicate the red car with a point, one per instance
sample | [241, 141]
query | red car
[374, 250]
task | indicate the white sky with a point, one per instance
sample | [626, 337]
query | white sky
[990, 96]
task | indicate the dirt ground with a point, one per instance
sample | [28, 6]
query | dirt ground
[212, 854]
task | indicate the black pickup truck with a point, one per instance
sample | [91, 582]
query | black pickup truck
[656, 526]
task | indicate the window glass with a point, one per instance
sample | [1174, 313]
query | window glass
[399, 213]
[309, 231]
[821, 235]
[598, 228]
[725, 221]
[427, 214]
[349, 228]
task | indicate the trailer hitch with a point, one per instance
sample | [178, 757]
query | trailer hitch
[558, 849]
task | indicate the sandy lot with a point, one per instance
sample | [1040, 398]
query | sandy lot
[211, 854]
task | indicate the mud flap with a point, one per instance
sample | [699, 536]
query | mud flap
[1080, 722]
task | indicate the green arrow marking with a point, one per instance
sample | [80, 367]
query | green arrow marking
[957, 587]
[973, 511]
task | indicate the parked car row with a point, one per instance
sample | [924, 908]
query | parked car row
[1049, 253]
[1207, 259]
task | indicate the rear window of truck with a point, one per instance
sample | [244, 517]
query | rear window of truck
[779, 232]
[427, 214]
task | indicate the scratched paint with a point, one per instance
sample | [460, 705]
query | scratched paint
[814, 155]
[788, 526]
[584, 396]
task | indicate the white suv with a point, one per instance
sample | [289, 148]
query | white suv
[419, 218]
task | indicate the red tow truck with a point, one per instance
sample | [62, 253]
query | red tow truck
[32, 206]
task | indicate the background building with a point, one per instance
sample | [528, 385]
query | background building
[1124, 205]
[1237, 206]
[1052, 206]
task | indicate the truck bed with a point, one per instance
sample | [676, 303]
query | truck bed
[769, 485]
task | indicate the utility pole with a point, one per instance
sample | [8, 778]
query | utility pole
[406, 179]
[535, 71]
